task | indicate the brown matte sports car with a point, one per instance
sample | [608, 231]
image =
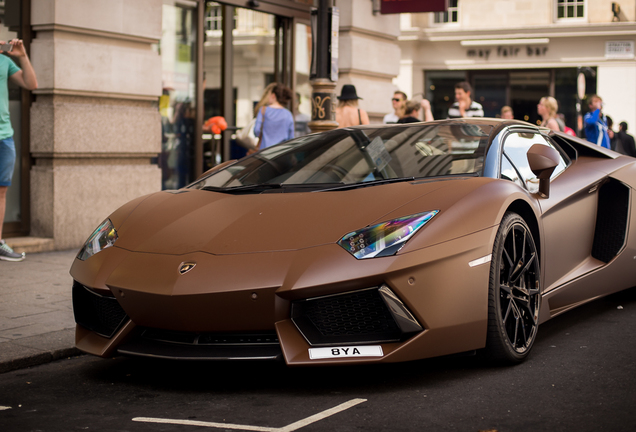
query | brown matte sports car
[365, 244]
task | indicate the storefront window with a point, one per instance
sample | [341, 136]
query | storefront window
[302, 56]
[526, 90]
[253, 44]
[519, 89]
[440, 90]
[565, 94]
[178, 101]
[490, 92]
[253, 47]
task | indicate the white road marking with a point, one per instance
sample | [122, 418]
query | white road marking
[316, 417]
[2, 408]
[289, 428]
[205, 424]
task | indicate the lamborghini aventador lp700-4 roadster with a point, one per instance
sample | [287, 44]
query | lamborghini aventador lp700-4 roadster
[365, 244]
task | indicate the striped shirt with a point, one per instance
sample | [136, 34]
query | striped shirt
[475, 110]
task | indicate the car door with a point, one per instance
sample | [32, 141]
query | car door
[568, 214]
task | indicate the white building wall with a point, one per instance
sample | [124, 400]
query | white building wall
[471, 44]
[616, 84]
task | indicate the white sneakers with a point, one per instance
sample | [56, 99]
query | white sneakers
[7, 254]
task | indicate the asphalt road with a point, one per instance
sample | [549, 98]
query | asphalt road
[581, 376]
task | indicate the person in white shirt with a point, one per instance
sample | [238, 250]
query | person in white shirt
[464, 105]
[398, 101]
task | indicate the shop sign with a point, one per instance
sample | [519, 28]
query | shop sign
[412, 6]
[619, 49]
[508, 52]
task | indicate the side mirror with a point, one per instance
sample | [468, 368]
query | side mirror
[217, 167]
[543, 160]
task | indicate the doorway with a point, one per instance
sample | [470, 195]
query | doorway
[519, 89]
[241, 56]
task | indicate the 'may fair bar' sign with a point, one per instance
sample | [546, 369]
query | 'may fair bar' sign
[412, 6]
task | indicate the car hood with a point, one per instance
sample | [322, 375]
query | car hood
[217, 223]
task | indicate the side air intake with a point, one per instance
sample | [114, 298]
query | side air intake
[611, 220]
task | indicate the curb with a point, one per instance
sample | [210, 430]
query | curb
[38, 359]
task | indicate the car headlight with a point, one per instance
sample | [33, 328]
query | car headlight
[103, 237]
[386, 238]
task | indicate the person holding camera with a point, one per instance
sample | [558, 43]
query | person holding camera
[22, 75]
[596, 123]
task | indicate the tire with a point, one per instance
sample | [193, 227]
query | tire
[514, 295]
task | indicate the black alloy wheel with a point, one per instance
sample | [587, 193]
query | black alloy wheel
[514, 294]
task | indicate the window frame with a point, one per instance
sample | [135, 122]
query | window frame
[570, 20]
[449, 23]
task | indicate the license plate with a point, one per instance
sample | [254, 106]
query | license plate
[350, 351]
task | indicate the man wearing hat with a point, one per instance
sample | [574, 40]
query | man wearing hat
[348, 113]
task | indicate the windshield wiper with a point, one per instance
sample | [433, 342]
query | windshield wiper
[371, 183]
[259, 186]
[244, 188]
[263, 187]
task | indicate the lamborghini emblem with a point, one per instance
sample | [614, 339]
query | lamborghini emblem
[186, 267]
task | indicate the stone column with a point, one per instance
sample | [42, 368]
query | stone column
[369, 55]
[95, 124]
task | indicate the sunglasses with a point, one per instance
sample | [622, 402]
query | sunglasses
[396, 100]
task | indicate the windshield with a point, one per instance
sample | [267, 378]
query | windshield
[353, 156]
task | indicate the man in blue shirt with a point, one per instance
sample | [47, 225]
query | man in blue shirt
[23, 76]
[596, 123]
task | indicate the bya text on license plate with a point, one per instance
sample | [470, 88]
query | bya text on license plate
[350, 351]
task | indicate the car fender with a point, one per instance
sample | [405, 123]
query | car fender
[481, 205]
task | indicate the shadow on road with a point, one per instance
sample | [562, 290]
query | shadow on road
[234, 377]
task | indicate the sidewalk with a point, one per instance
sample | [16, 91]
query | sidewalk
[36, 311]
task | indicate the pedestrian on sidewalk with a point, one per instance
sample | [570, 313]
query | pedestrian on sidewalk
[612, 135]
[398, 101]
[23, 76]
[547, 108]
[507, 113]
[412, 111]
[596, 123]
[275, 123]
[626, 140]
[348, 113]
[464, 105]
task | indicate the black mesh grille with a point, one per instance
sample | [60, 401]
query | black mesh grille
[97, 313]
[361, 316]
[611, 220]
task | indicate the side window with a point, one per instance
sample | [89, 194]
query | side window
[516, 148]
[508, 172]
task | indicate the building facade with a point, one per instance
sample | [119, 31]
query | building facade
[515, 52]
[126, 86]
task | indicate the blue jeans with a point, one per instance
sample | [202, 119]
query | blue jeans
[7, 161]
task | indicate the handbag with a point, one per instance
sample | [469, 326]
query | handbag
[246, 138]
[260, 135]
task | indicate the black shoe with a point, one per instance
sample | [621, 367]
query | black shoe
[7, 254]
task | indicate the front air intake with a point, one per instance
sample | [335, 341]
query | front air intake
[95, 312]
[355, 317]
